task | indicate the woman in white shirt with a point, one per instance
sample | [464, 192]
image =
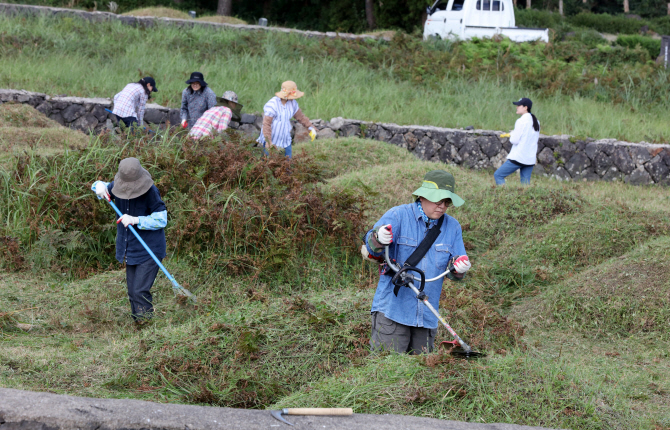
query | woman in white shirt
[524, 139]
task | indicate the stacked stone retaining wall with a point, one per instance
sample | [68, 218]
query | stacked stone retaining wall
[562, 157]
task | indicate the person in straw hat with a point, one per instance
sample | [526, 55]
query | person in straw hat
[216, 118]
[135, 195]
[277, 114]
[400, 322]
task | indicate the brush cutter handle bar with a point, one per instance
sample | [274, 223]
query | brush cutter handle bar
[397, 269]
[175, 284]
[402, 278]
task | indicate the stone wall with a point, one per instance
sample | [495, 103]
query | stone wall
[562, 157]
[148, 21]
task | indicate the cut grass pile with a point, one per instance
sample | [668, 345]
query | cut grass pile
[25, 130]
[158, 12]
[569, 344]
[395, 81]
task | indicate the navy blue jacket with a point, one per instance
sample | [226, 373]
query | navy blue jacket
[127, 245]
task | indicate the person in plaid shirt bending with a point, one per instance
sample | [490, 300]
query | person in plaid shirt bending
[131, 102]
[216, 118]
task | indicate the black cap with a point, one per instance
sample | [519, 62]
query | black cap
[524, 102]
[150, 80]
[197, 77]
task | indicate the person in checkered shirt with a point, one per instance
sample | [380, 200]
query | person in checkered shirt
[216, 118]
[131, 102]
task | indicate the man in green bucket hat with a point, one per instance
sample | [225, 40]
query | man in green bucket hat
[400, 322]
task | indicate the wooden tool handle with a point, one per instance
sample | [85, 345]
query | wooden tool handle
[321, 411]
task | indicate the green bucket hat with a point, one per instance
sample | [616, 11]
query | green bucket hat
[438, 185]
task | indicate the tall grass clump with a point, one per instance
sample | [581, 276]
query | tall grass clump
[226, 202]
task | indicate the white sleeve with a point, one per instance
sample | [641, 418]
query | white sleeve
[519, 128]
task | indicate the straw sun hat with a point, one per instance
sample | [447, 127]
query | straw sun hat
[289, 90]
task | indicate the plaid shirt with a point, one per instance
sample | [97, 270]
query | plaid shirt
[131, 102]
[216, 118]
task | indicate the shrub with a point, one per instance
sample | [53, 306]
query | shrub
[653, 46]
[608, 23]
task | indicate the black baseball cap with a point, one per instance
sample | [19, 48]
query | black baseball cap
[150, 80]
[524, 102]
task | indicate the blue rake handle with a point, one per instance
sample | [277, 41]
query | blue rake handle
[175, 285]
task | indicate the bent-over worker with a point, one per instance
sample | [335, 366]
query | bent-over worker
[216, 118]
[402, 323]
[524, 140]
[131, 102]
[277, 114]
[137, 197]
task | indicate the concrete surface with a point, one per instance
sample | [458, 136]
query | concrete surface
[27, 410]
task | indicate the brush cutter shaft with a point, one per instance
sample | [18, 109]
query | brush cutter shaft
[175, 284]
[394, 267]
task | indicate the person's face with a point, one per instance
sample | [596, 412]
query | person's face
[434, 210]
[196, 86]
[520, 110]
[231, 105]
[150, 87]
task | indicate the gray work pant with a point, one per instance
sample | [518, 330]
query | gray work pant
[140, 278]
[391, 336]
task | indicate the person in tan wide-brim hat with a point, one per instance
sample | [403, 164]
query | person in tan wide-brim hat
[277, 114]
[137, 197]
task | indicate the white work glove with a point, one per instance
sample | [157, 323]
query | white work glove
[384, 235]
[101, 190]
[128, 220]
[312, 133]
[367, 256]
[462, 264]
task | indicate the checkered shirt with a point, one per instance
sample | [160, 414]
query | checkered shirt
[216, 118]
[131, 101]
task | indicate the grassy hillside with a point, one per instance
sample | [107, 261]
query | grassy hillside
[583, 87]
[568, 294]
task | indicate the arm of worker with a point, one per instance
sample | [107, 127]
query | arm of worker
[520, 127]
[302, 119]
[101, 189]
[461, 265]
[267, 129]
[388, 225]
[155, 221]
[141, 108]
[183, 112]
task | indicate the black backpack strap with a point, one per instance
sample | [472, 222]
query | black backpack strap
[423, 248]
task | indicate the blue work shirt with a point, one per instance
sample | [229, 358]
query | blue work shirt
[408, 230]
[127, 245]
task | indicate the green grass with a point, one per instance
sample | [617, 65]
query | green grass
[568, 296]
[404, 81]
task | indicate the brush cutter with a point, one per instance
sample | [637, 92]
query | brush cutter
[403, 278]
[178, 289]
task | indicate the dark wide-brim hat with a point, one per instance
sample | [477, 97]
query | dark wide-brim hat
[438, 185]
[132, 180]
[197, 77]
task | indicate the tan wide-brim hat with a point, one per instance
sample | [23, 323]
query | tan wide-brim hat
[132, 180]
[289, 90]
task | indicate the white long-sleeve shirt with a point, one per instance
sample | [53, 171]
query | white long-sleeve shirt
[524, 141]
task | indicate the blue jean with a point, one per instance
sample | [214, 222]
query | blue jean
[288, 151]
[508, 168]
[128, 121]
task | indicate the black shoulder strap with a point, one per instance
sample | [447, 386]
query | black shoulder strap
[425, 244]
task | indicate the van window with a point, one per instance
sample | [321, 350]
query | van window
[487, 4]
[496, 5]
[458, 5]
[442, 5]
[479, 5]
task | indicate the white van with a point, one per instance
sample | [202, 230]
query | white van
[465, 19]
